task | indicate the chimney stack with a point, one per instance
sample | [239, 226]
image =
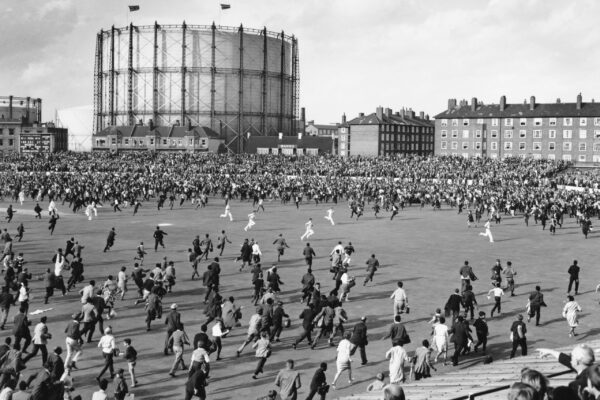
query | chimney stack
[151, 124]
[343, 118]
[532, 103]
[379, 112]
[579, 101]
[422, 115]
[502, 103]
[303, 114]
[388, 112]
[402, 112]
[361, 115]
[474, 104]
[451, 104]
[558, 100]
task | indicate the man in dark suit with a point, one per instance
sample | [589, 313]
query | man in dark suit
[536, 301]
[159, 235]
[359, 339]
[172, 321]
[398, 333]
[453, 304]
[55, 364]
[573, 277]
[21, 330]
[460, 338]
[318, 383]
[307, 316]
[308, 253]
[245, 254]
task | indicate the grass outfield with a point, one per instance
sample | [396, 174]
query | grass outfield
[425, 249]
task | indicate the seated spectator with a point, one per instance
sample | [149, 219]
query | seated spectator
[536, 380]
[582, 356]
[377, 384]
[522, 391]
[393, 392]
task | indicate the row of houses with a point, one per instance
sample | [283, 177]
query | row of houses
[566, 131]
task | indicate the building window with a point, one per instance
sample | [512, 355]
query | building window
[180, 142]
[522, 133]
[1, 142]
[582, 157]
[537, 134]
[582, 146]
[582, 121]
[454, 134]
[494, 121]
[508, 146]
[479, 121]
[537, 146]
[444, 122]
[523, 122]
[567, 134]
[126, 141]
[508, 134]
[537, 122]
[454, 122]
[552, 122]
[454, 145]
[537, 156]
[566, 157]
[522, 146]
[477, 145]
[597, 121]
[566, 146]
[552, 134]
[582, 134]
[551, 156]
[11, 131]
[465, 145]
[165, 141]
[596, 146]
[465, 134]
[567, 121]
[551, 146]
[478, 134]
[508, 122]
[151, 141]
[494, 146]
[113, 141]
[444, 145]
[465, 122]
[444, 134]
[494, 134]
[203, 142]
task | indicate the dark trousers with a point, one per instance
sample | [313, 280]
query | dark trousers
[89, 328]
[276, 331]
[157, 242]
[516, 343]
[497, 305]
[363, 352]
[312, 393]
[167, 346]
[260, 365]
[306, 334]
[481, 340]
[17, 344]
[36, 348]
[108, 365]
[571, 280]
[458, 349]
[535, 311]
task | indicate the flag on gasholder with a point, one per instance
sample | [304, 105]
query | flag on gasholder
[134, 8]
[225, 6]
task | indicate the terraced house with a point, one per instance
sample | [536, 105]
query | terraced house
[567, 131]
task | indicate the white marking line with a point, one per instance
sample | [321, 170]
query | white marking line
[164, 224]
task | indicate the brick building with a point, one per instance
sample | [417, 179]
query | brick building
[21, 130]
[162, 138]
[566, 131]
[385, 132]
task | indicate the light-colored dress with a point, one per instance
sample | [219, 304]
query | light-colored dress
[440, 337]
[398, 357]
[570, 313]
[343, 355]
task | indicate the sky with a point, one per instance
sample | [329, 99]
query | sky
[355, 55]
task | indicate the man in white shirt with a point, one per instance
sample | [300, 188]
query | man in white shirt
[101, 394]
[498, 293]
[256, 253]
[339, 247]
[400, 299]
[253, 330]
[87, 292]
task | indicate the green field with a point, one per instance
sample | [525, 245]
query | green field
[423, 248]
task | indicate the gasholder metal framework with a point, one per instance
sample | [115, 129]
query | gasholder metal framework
[235, 80]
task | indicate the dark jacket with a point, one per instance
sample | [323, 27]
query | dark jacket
[460, 334]
[307, 316]
[454, 302]
[359, 334]
[21, 325]
[318, 379]
[172, 321]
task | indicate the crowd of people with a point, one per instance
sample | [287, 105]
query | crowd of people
[487, 188]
